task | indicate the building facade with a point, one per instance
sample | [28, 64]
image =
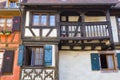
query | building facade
[9, 39]
[63, 40]
[70, 40]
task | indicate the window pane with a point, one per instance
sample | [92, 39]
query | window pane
[41, 56]
[52, 20]
[103, 61]
[38, 56]
[36, 19]
[2, 22]
[110, 62]
[44, 20]
[9, 22]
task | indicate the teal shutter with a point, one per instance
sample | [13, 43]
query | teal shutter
[118, 60]
[48, 55]
[95, 61]
[21, 55]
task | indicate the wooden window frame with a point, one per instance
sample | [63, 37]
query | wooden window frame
[5, 23]
[114, 61]
[28, 52]
[47, 19]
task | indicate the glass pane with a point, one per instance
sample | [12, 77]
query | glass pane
[41, 56]
[52, 20]
[110, 62]
[2, 20]
[119, 19]
[36, 56]
[44, 20]
[9, 22]
[36, 19]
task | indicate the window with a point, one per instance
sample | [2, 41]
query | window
[36, 19]
[43, 20]
[1, 60]
[107, 61]
[52, 20]
[13, 4]
[5, 23]
[38, 56]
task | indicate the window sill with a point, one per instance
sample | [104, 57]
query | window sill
[109, 71]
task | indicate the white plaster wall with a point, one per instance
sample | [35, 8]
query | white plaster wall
[27, 18]
[114, 28]
[76, 65]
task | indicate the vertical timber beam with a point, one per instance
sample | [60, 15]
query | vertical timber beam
[110, 29]
[23, 18]
[83, 27]
[57, 24]
[56, 62]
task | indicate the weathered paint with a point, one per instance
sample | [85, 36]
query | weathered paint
[16, 70]
[76, 65]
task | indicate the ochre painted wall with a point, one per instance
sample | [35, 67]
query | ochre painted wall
[16, 70]
[12, 44]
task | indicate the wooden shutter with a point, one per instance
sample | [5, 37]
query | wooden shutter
[48, 55]
[118, 60]
[95, 61]
[8, 62]
[16, 23]
[21, 55]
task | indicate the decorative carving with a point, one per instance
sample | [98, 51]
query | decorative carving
[37, 74]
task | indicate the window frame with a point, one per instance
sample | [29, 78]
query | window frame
[47, 19]
[34, 48]
[14, 1]
[5, 23]
[114, 61]
[28, 52]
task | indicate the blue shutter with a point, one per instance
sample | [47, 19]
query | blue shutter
[48, 55]
[21, 55]
[118, 60]
[95, 61]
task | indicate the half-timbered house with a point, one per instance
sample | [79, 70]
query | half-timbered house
[9, 39]
[70, 40]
